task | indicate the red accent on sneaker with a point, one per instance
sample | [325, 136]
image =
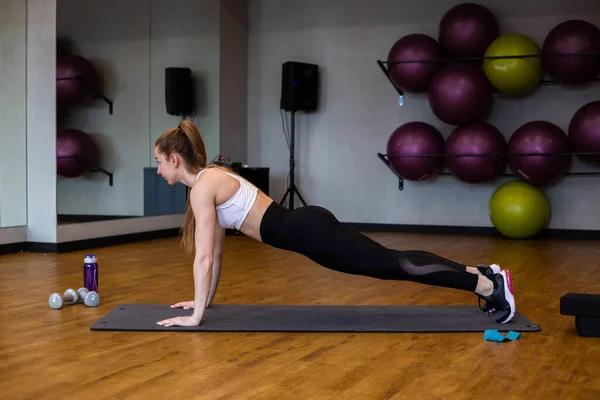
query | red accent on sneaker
[510, 283]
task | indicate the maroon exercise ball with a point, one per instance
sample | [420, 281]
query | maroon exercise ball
[416, 138]
[482, 139]
[584, 132]
[69, 88]
[572, 36]
[414, 77]
[539, 137]
[73, 142]
[460, 94]
[466, 30]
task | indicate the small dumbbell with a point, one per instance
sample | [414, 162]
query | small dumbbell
[56, 301]
[91, 299]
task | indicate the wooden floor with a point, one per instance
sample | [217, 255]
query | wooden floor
[53, 354]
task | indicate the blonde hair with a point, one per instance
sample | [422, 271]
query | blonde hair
[185, 140]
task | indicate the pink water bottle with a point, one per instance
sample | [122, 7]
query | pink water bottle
[90, 273]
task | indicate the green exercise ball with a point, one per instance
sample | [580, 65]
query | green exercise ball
[513, 76]
[519, 210]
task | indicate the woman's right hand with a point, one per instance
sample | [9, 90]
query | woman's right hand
[186, 305]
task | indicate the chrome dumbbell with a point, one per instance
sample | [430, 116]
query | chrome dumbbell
[91, 299]
[57, 300]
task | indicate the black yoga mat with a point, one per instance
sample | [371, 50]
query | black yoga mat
[312, 318]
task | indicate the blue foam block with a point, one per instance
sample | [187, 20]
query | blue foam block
[493, 335]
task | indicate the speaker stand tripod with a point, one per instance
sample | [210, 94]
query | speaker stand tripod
[292, 189]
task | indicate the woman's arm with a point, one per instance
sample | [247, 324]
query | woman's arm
[217, 260]
[216, 271]
[203, 205]
[202, 199]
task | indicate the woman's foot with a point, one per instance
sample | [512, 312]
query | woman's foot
[502, 300]
[485, 270]
[489, 270]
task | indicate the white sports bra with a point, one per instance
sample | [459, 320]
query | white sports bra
[234, 211]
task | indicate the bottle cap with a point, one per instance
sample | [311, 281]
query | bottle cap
[90, 258]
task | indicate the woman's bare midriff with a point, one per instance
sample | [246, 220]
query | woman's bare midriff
[251, 225]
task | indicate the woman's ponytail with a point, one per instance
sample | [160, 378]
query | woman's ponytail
[193, 135]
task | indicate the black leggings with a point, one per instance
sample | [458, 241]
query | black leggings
[317, 234]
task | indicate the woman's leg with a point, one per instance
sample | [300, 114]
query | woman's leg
[485, 270]
[316, 233]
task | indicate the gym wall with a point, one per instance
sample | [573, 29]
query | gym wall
[233, 79]
[13, 137]
[131, 43]
[337, 146]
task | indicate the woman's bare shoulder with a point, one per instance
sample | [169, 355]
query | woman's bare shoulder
[210, 175]
[209, 181]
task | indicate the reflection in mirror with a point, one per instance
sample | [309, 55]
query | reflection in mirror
[126, 72]
[13, 128]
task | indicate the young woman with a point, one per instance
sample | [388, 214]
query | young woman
[221, 199]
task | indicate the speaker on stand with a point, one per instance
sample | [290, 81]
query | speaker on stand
[299, 92]
[179, 91]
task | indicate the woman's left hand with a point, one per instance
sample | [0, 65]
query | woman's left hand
[180, 321]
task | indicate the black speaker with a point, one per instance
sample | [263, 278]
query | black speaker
[299, 86]
[179, 94]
